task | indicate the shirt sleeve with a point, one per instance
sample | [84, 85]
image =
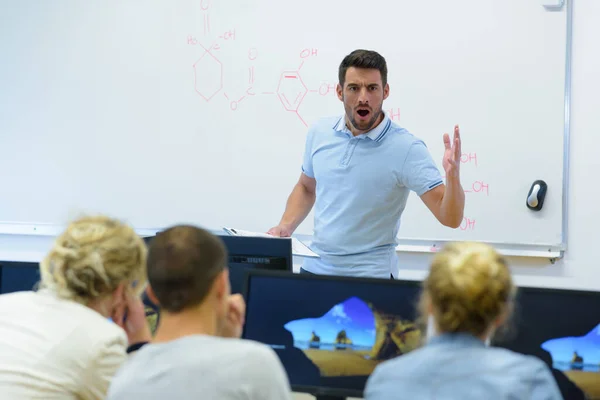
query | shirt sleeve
[269, 378]
[419, 172]
[106, 361]
[373, 386]
[307, 165]
[543, 385]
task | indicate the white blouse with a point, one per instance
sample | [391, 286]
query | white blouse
[52, 348]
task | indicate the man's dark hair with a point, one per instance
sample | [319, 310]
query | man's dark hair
[183, 262]
[366, 59]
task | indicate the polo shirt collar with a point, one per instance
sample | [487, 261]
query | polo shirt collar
[376, 134]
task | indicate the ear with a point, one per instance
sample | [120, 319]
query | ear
[221, 285]
[502, 318]
[425, 304]
[386, 91]
[151, 296]
[339, 91]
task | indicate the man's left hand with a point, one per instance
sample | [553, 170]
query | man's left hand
[452, 153]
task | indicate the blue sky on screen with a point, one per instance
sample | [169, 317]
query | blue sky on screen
[353, 315]
[587, 346]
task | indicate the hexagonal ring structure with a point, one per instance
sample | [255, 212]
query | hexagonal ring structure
[208, 76]
[291, 90]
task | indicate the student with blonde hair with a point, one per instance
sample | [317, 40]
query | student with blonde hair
[468, 295]
[58, 342]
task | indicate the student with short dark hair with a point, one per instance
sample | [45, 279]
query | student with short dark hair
[196, 352]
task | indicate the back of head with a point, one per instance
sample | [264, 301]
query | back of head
[92, 257]
[468, 288]
[183, 263]
[364, 59]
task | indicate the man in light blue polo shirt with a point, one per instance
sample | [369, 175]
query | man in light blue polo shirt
[358, 171]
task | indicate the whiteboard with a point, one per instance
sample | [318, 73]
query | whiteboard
[161, 112]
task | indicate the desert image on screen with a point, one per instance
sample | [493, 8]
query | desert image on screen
[352, 338]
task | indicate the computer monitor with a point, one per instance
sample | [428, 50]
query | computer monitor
[561, 327]
[331, 332]
[249, 253]
[245, 254]
[18, 276]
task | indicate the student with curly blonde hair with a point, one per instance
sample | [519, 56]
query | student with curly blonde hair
[468, 295]
[58, 342]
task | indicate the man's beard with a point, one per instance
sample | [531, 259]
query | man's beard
[370, 124]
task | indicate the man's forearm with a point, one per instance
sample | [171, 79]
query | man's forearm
[453, 202]
[298, 206]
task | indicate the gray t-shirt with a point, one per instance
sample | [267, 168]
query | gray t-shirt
[204, 367]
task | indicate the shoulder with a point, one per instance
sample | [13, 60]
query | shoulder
[255, 352]
[505, 356]
[393, 375]
[398, 367]
[404, 145]
[98, 329]
[528, 364]
[7, 300]
[233, 351]
[255, 363]
[421, 362]
[82, 342]
[528, 369]
[322, 132]
[259, 360]
[90, 331]
[325, 123]
[264, 371]
[323, 127]
[400, 136]
[83, 326]
[107, 354]
[102, 342]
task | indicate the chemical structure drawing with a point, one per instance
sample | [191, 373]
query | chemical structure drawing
[209, 79]
[291, 90]
[204, 6]
[208, 76]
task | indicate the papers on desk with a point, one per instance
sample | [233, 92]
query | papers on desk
[298, 248]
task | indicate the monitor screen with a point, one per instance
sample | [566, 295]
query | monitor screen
[18, 276]
[331, 332]
[561, 327]
[248, 253]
